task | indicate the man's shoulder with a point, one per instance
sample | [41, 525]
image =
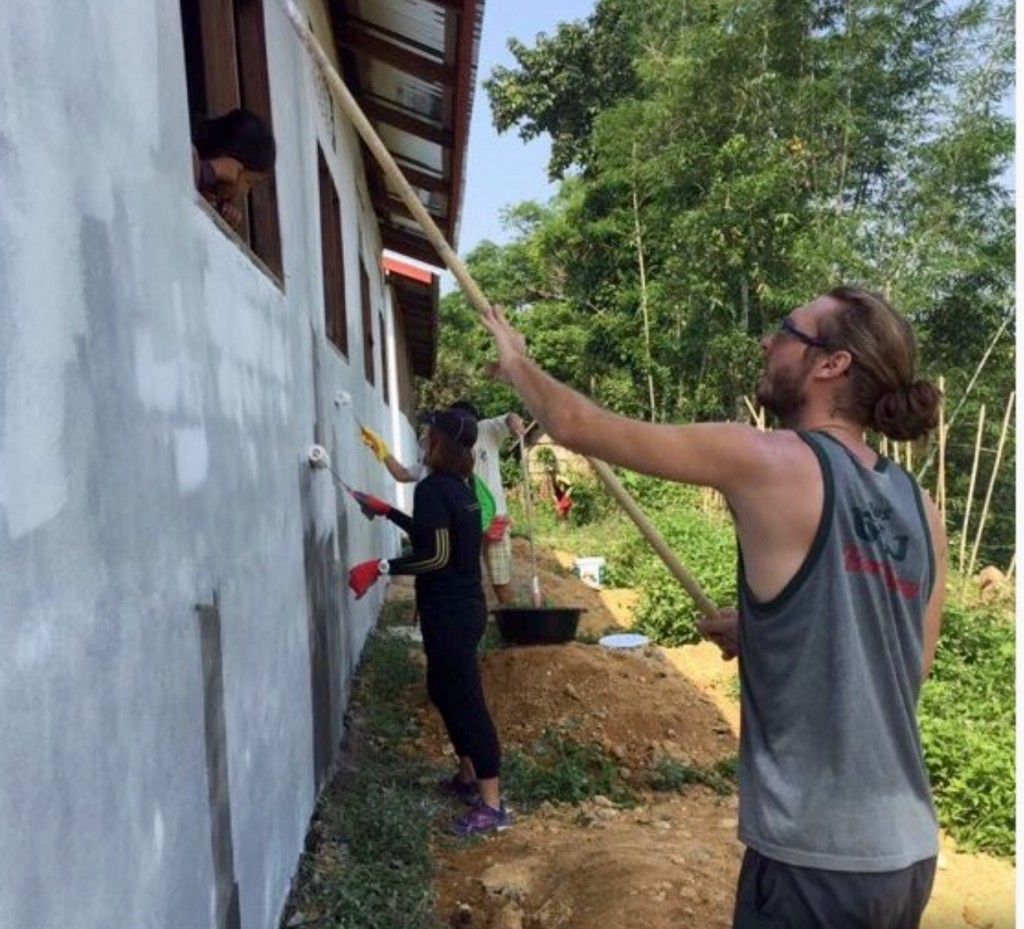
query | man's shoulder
[767, 456]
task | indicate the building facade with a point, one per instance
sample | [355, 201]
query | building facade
[176, 637]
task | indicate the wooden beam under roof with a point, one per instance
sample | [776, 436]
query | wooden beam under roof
[392, 204]
[410, 245]
[379, 187]
[407, 122]
[432, 182]
[363, 40]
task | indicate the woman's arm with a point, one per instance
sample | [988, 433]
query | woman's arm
[430, 531]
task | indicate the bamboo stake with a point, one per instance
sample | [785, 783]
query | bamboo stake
[758, 417]
[970, 489]
[991, 483]
[473, 292]
[940, 488]
[1011, 567]
[974, 377]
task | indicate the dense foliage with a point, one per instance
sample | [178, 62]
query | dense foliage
[726, 160]
[968, 724]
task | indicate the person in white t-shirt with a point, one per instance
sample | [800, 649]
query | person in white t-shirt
[491, 433]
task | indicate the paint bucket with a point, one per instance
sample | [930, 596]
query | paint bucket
[590, 570]
[537, 625]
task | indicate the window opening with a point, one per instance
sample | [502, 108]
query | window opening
[226, 71]
[364, 295]
[332, 253]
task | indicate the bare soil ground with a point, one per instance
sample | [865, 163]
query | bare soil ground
[671, 862]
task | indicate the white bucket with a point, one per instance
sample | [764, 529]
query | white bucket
[590, 570]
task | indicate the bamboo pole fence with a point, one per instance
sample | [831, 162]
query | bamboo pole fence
[991, 483]
[940, 482]
[970, 490]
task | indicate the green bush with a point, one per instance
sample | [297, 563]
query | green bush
[590, 502]
[670, 774]
[967, 727]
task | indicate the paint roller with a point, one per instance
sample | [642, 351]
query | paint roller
[371, 506]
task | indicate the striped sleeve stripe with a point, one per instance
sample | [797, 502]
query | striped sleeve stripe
[440, 558]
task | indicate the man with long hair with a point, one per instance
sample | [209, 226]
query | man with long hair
[841, 584]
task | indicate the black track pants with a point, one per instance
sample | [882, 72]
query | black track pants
[451, 633]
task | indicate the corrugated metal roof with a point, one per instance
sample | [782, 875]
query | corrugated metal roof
[411, 65]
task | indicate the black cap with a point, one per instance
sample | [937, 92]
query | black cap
[458, 425]
[467, 407]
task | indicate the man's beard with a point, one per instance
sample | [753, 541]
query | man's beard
[782, 394]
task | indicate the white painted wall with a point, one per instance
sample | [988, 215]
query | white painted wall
[158, 395]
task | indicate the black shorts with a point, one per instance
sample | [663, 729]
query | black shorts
[772, 895]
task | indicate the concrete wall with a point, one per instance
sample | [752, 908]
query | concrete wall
[176, 639]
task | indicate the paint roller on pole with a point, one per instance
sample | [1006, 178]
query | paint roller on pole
[472, 290]
[371, 506]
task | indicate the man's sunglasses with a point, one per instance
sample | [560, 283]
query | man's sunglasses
[787, 328]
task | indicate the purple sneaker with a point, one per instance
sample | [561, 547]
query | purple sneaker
[466, 791]
[482, 818]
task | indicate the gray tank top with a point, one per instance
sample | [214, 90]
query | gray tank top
[831, 770]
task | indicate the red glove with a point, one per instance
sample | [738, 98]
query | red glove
[371, 505]
[495, 532]
[363, 576]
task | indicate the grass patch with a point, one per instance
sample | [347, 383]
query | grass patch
[396, 613]
[368, 863]
[558, 769]
[670, 774]
[491, 639]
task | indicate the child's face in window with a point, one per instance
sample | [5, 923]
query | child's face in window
[234, 180]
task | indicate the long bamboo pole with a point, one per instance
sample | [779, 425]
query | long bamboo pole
[991, 484]
[649, 532]
[970, 489]
[940, 489]
[472, 290]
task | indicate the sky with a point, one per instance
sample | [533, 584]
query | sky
[504, 170]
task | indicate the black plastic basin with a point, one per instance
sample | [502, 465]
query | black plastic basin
[537, 625]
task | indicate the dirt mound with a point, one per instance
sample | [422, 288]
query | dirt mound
[635, 704]
[670, 864]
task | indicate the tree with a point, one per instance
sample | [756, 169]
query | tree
[737, 157]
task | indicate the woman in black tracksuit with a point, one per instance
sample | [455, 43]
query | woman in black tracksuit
[446, 535]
